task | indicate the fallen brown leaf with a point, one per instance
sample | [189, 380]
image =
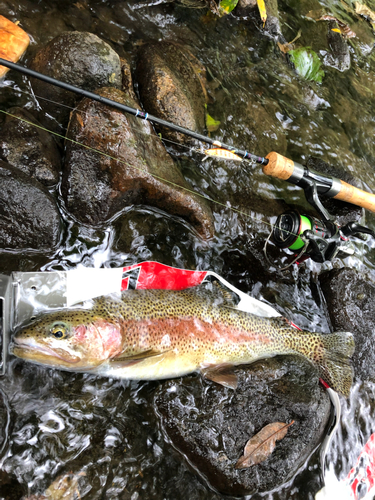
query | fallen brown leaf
[344, 28]
[260, 446]
[363, 10]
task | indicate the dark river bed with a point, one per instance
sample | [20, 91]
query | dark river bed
[103, 432]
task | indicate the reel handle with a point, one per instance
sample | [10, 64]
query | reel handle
[285, 169]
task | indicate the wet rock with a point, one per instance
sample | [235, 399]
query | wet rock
[79, 58]
[135, 170]
[272, 25]
[126, 78]
[350, 298]
[171, 87]
[210, 424]
[339, 57]
[194, 4]
[4, 422]
[342, 211]
[360, 128]
[29, 214]
[29, 148]
[256, 126]
[152, 235]
[245, 266]
[10, 488]
[243, 5]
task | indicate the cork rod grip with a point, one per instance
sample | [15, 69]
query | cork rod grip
[356, 196]
[278, 166]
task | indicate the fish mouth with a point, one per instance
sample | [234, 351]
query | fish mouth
[35, 352]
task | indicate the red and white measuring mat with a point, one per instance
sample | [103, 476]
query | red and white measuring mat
[361, 478]
[359, 483]
[87, 283]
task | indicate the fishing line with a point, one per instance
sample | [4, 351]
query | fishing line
[157, 136]
[191, 191]
[133, 111]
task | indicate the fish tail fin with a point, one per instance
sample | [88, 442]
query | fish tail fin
[334, 364]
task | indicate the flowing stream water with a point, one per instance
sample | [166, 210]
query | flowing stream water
[105, 432]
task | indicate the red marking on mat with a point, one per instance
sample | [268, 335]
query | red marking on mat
[363, 473]
[153, 275]
[124, 283]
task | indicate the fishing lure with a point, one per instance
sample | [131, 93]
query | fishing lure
[222, 153]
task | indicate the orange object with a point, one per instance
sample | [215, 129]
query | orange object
[13, 42]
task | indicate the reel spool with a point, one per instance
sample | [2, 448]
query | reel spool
[291, 225]
[313, 238]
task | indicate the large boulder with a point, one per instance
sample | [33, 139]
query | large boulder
[28, 147]
[171, 87]
[79, 58]
[350, 298]
[131, 168]
[29, 217]
[210, 424]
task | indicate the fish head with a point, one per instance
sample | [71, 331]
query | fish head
[75, 340]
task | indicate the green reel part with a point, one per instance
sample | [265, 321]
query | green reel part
[305, 223]
[288, 229]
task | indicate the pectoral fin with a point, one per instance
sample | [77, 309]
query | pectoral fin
[126, 359]
[221, 374]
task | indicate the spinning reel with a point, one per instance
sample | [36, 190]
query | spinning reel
[308, 237]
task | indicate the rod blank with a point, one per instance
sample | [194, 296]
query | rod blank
[135, 112]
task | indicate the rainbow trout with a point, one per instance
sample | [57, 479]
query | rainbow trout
[158, 334]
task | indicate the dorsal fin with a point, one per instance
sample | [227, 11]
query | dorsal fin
[223, 295]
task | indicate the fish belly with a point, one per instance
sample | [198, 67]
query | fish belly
[165, 365]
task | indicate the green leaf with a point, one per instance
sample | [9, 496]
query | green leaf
[227, 6]
[307, 63]
[211, 123]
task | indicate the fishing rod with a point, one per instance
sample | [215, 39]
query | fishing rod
[319, 240]
[132, 111]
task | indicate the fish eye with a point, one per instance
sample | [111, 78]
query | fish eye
[59, 331]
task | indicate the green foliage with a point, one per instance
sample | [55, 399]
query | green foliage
[227, 6]
[307, 64]
[211, 123]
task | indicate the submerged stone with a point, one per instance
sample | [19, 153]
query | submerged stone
[339, 55]
[171, 87]
[245, 8]
[350, 299]
[79, 58]
[134, 168]
[29, 215]
[210, 424]
[26, 146]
